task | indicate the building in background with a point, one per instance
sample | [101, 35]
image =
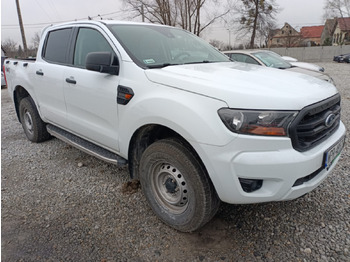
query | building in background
[328, 31]
[335, 31]
[341, 35]
[287, 36]
[311, 35]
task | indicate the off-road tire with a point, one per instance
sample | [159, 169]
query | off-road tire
[177, 186]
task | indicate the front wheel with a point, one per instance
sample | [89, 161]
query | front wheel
[33, 126]
[177, 186]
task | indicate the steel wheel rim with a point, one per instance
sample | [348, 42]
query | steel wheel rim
[170, 188]
[28, 122]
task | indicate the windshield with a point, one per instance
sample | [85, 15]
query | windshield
[158, 46]
[272, 60]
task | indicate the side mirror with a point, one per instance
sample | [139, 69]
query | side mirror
[103, 62]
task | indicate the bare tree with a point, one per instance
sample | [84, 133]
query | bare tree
[336, 8]
[266, 33]
[293, 40]
[255, 17]
[187, 14]
[10, 47]
[220, 45]
[36, 40]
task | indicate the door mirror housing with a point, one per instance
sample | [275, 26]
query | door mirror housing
[103, 62]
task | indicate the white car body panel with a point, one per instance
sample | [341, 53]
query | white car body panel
[3, 82]
[234, 82]
[308, 66]
[289, 59]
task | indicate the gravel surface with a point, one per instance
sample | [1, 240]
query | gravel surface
[59, 204]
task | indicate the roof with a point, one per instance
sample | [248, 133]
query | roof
[312, 31]
[330, 25]
[104, 22]
[344, 23]
[244, 51]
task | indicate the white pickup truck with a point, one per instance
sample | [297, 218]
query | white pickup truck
[194, 127]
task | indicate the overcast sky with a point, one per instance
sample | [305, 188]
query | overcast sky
[36, 14]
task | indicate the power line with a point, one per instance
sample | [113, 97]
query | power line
[56, 22]
[52, 5]
[43, 10]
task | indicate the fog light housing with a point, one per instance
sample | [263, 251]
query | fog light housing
[250, 185]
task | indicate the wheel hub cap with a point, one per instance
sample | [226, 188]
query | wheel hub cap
[171, 188]
[28, 122]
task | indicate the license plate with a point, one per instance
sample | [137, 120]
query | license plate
[332, 153]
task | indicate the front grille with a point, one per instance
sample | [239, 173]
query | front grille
[315, 123]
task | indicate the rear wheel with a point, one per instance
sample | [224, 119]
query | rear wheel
[33, 126]
[177, 186]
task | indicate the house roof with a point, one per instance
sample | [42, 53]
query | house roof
[311, 31]
[344, 23]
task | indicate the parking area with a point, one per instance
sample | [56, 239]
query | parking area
[60, 204]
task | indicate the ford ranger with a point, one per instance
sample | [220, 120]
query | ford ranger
[194, 127]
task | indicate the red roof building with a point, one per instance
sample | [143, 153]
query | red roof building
[312, 34]
[344, 23]
[341, 35]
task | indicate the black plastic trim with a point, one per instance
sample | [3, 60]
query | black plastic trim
[298, 129]
[307, 178]
[40, 73]
[71, 81]
[122, 91]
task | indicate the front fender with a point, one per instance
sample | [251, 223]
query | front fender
[192, 116]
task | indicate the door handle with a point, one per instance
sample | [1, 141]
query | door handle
[71, 81]
[40, 73]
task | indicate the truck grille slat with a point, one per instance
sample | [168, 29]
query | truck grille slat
[315, 123]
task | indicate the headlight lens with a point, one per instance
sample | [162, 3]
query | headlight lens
[251, 122]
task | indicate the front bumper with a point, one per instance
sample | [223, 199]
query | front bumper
[271, 159]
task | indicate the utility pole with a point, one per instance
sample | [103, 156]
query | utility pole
[142, 13]
[229, 38]
[22, 28]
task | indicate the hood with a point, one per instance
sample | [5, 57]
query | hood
[245, 86]
[318, 74]
[308, 66]
[289, 59]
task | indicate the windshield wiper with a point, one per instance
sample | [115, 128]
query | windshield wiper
[201, 62]
[161, 65]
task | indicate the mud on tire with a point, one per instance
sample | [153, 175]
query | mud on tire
[176, 186]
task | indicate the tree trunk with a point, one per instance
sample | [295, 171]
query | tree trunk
[252, 39]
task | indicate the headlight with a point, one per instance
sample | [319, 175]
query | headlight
[264, 123]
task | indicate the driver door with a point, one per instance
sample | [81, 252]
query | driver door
[90, 96]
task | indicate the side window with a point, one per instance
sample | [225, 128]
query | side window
[238, 57]
[89, 40]
[57, 44]
[250, 60]
[244, 58]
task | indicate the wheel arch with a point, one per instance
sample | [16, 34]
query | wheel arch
[18, 94]
[147, 135]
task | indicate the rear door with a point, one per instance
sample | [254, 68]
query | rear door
[90, 96]
[48, 76]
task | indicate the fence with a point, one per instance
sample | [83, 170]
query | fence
[313, 54]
